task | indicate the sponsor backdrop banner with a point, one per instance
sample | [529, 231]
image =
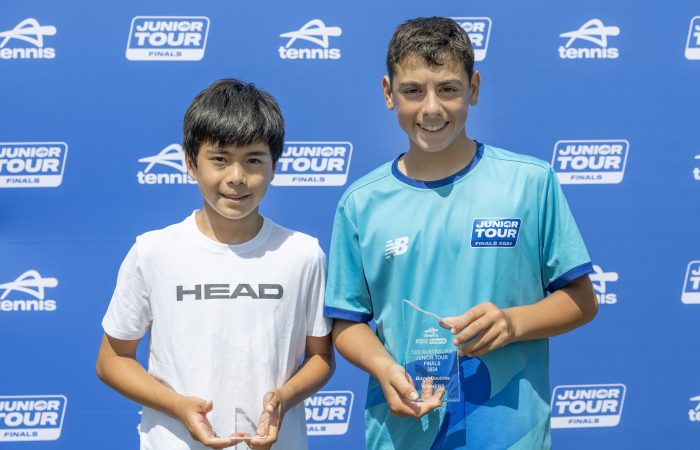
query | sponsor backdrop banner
[90, 156]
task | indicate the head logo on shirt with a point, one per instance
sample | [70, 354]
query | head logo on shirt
[396, 247]
[495, 232]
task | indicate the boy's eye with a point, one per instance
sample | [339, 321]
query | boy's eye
[218, 160]
[255, 161]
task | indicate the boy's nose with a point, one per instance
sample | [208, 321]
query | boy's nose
[431, 104]
[235, 174]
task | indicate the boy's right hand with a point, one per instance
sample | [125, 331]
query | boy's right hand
[401, 396]
[192, 412]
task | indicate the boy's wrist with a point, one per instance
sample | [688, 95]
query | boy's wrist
[285, 397]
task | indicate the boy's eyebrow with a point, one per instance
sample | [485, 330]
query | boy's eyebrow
[442, 83]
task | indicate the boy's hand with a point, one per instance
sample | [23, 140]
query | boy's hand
[270, 422]
[192, 412]
[401, 396]
[483, 328]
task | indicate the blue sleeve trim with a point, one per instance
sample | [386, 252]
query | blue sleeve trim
[570, 276]
[345, 314]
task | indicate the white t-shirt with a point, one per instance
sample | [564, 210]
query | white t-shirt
[228, 322]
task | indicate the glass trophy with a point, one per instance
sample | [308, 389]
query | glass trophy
[240, 381]
[430, 356]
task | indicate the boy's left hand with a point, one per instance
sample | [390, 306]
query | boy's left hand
[483, 328]
[270, 422]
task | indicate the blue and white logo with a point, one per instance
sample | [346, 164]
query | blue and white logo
[692, 45]
[592, 405]
[694, 413]
[32, 284]
[479, 31]
[590, 161]
[591, 32]
[495, 232]
[32, 164]
[600, 280]
[28, 31]
[310, 163]
[328, 413]
[167, 38]
[170, 166]
[696, 170]
[31, 417]
[691, 286]
[315, 32]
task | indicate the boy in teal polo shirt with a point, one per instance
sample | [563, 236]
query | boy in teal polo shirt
[478, 235]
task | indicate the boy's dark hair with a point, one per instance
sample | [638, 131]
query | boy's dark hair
[231, 112]
[432, 38]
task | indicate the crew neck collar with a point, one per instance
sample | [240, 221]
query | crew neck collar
[442, 182]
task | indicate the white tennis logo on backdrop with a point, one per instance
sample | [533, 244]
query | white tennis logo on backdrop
[595, 32]
[30, 31]
[692, 45]
[30, 283]
[479, 31]
[167, 38]
[590, 161]
[328, 413]
[31, 417]
[600, 280]
[696, 170]
[694, 413]
[316, 32]
[172, 157]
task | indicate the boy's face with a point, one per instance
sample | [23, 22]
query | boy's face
[431, 102]
[233, 180]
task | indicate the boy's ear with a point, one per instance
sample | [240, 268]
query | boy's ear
[191, 169]
[474, 88]
[388, 95]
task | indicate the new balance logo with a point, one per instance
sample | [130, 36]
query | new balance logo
[396, 247]
[31, 32]
[692, 45]
[171, 156]
[592, 31]
[31, 283]
[316, 32]
[600, 280]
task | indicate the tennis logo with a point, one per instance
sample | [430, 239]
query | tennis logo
[31, 417]
[315, 32]
[33, 284]
[32, 164]
[310, 163]
[696, 170]
[170, 166]
[694, 413]
[583, 406]
[29, 31]
[591, 32]
[590, 162]
[495, 232]
[600, 280]
[479, 31]
[691, 286]
[167, 38]
[692, 45]
[328, 413]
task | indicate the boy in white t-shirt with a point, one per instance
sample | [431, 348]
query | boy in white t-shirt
[233, 301]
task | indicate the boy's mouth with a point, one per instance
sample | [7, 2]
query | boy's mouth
[236, 197]
[432, 128]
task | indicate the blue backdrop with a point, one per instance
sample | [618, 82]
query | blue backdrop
[93, 95]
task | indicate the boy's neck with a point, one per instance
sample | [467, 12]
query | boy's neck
[432, 166]
[228, 231]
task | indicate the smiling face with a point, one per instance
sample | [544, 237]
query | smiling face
[431, 102]
[233, 180]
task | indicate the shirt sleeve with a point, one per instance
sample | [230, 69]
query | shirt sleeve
[347, 295]
[564, 256]
[129, 316]
[316, 323]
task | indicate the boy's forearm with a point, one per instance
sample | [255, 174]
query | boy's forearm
[563, 310]
[359, 345]
[311, 376]
[128, 377]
